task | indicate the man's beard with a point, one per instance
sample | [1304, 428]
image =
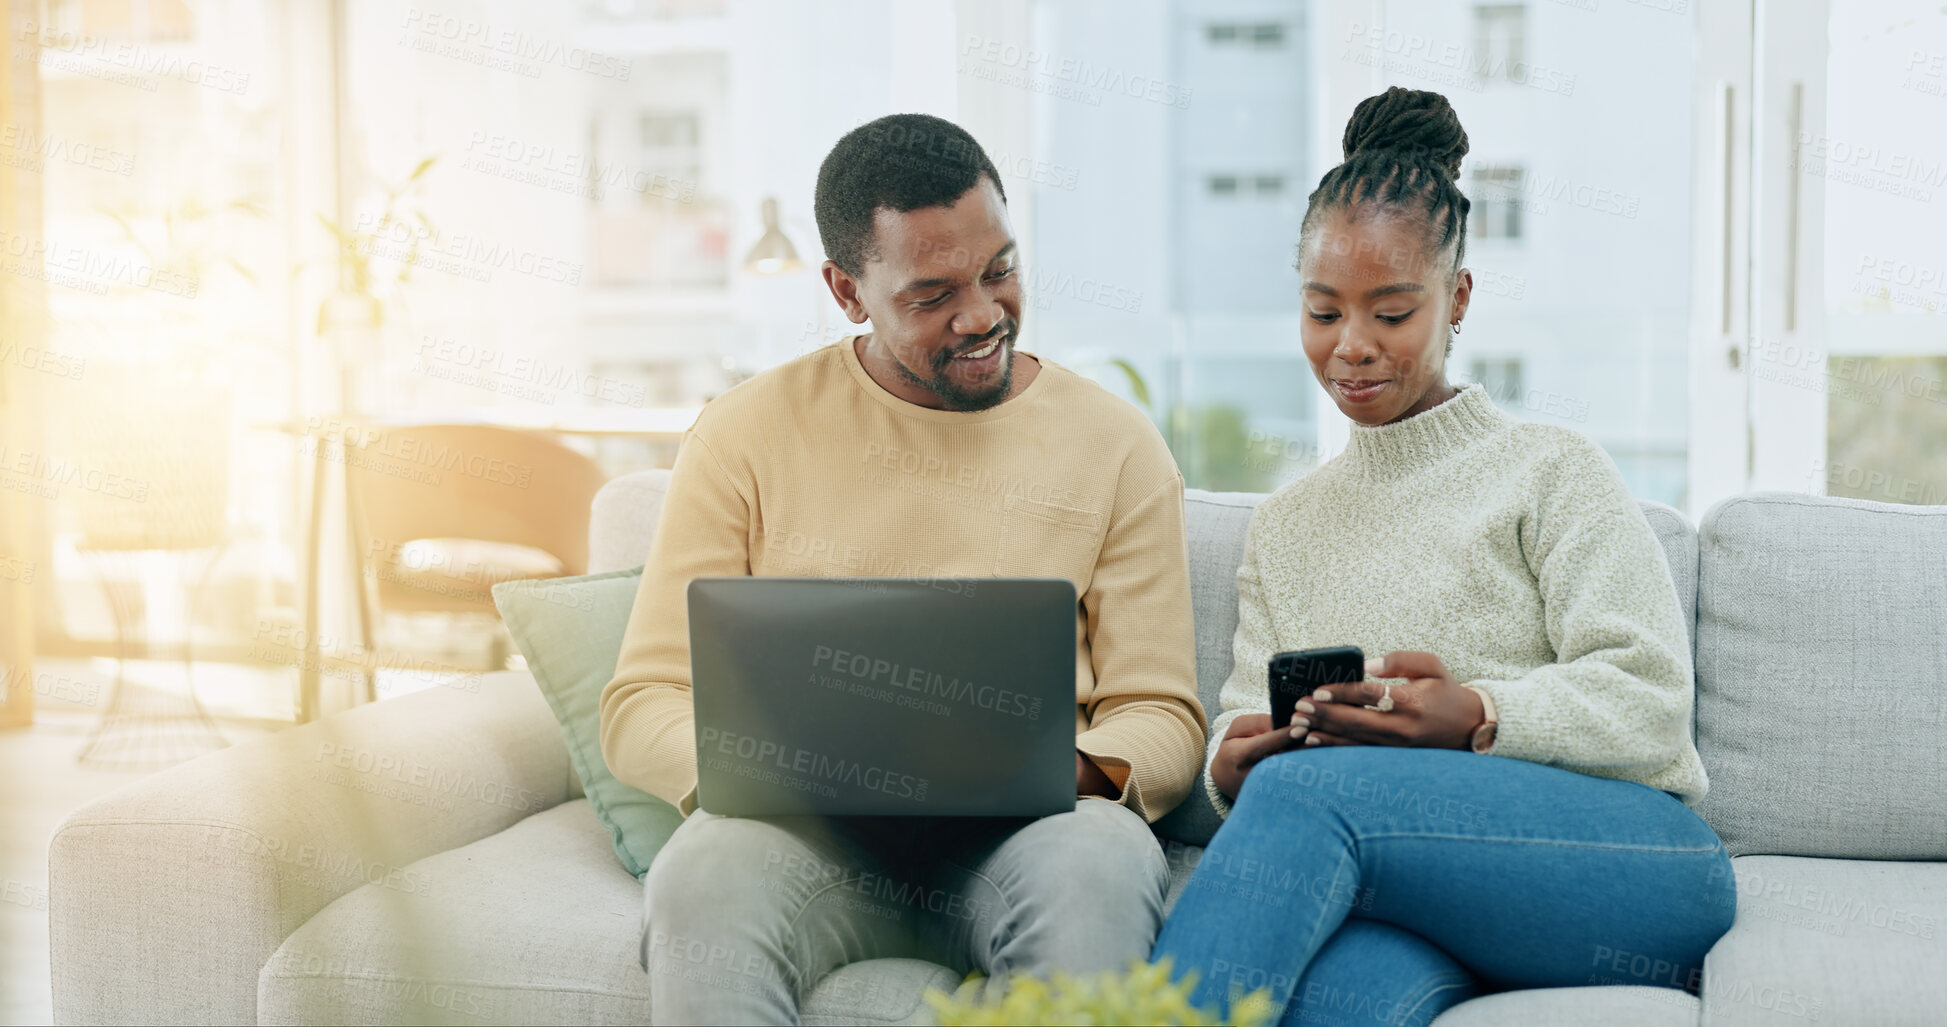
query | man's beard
[952, 396]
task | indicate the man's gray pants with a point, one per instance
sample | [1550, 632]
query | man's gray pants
[745, 915]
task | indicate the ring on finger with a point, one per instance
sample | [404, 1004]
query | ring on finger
[1385, 703]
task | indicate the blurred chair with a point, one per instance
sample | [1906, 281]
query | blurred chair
[442, 513]
[154, 441]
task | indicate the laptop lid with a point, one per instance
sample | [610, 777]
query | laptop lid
[884, 696]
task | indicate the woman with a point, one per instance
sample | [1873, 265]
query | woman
[1502, 804]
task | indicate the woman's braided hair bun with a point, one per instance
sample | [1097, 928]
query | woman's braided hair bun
[1402, 154]
[1409, 120]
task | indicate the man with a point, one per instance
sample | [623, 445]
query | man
[928, 448]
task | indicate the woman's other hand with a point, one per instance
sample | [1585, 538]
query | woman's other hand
[1430, 711]
[1249, 741]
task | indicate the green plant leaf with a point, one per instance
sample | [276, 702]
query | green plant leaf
[127, 229]
[1136, 383]
[1144, 994]
[344, 238]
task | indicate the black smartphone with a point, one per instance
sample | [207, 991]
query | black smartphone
[1298, 674]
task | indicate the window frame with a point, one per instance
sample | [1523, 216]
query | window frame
[1757, 249]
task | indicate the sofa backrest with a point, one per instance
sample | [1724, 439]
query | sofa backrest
[1216, 523]
[1822, 676]
[1819, 628]
[622, 520]
[623, 523]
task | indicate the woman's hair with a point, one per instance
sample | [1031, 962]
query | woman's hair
[1402, 155]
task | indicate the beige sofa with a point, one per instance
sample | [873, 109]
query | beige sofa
[431, 858]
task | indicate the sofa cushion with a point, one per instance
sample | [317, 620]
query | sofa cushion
[1833, 941]
[536, 924]
[1603, 1006]
[1182, 860]
[877, 991]
[454, 574]
[570, 630]
[1822, 676]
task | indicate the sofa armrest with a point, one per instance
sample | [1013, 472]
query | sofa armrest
[167, 896]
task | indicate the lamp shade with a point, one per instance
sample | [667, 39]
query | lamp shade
[773, 254]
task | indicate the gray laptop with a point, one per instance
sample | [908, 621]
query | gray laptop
[884, 696]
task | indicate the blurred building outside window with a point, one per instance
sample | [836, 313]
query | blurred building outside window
[576, 204]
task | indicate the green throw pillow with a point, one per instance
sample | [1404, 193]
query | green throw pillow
[570, 630]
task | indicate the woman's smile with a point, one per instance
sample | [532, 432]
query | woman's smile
[1360, 390]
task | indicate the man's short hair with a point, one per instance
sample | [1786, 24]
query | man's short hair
[900, 162]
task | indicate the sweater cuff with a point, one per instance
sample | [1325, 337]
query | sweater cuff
[1490, 712]
[1217, 800]
[1216, 797]
[1156, 761]
[1102, 750]
[1513, 732]
[649, 744]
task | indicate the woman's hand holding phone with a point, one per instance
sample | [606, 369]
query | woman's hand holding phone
[1430, 711]
[1250, 740]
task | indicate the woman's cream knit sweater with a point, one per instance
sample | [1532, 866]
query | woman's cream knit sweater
[1510, 550]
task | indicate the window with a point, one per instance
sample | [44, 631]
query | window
[1500, 36]
[663, 130]
[173, 222]
[597, 220]
[1495, 191]
[670, 156]
[1559, 213]
[1262, 36]
[1245, 186]
[1501, 377]
[1882, 368]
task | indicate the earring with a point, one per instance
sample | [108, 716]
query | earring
[1456, 327]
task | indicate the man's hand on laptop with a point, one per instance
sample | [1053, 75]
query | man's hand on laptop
[1091, 780]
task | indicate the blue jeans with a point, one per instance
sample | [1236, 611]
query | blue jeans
[1365, 884]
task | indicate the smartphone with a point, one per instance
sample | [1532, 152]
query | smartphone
[1296, 675]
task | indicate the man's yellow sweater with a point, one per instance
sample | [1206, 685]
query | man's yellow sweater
[813, 470]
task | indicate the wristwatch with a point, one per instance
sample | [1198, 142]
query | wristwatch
[1483, 739]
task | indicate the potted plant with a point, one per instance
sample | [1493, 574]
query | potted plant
[1144, 994]
[353, 319]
